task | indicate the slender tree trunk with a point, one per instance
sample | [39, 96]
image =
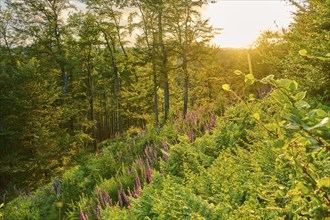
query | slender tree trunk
[112, 50]
[118, 100]
[164, 70]
[155, 92]
[154, 72]
[186, 82]
[91, 100]
[106, 129]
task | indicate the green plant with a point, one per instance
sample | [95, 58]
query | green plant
[304, 147]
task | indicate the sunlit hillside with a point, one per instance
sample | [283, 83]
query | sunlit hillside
[144, 109]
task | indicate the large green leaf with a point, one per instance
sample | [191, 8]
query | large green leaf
[299, 96]
[324, 182]
[249, 79]
[287, 84]
[303, 52]
[226, 87]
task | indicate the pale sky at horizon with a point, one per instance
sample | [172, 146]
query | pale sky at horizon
[242, 21]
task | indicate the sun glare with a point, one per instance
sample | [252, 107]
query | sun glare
[243, 21]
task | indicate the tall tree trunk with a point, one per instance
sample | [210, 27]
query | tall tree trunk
[186, 82]
[91, 100]
[164, 69]
[112, 50]
[155, 92]
[118, 99]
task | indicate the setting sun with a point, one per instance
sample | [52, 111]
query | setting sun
[242, 21]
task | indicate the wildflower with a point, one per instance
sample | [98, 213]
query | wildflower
[207, 127]
[149, 172]
[98, 194]
[136, 192]
[92, 210]
[120, 199]
[83, 215]
[144, 173]
[141, 163]
[150, 160]
[106, 196]
[165, 157]
[126, 199]
[98, 211]
[164, 145]
[137, 182]
[191, 136]
[110, 202]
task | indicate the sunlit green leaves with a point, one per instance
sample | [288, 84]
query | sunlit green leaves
[290, 85]
[226, 87]
[303, 188]
[249, 79]
[301, 104]
[300, 96]
[279, 143]
[324, 182]
[280, 97]
[303, 52]
[256, 116]
[318, 125]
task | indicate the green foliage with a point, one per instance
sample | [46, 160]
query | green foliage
[300, 52]
[304, 145]
[67, 89]
[33, 206]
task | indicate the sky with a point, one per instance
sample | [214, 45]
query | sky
[242, 21]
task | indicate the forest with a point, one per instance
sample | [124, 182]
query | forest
[126, 110]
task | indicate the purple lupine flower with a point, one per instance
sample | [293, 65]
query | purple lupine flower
[144, 173]
[149, 174]
[146, 151]
[141, 163]
[164, 145]
[165, 157]
[120, 199]
[136, 191]
[191, 136]
[207, 127]
[213, 118]
[99, 195]
[110, 202]
[92, 210]
[121, 187]
[149, 159]
[193, 117]
[155, 154]
[137, 181]
[83, 215]
[106, 195]
[126, 199]
[98, 211]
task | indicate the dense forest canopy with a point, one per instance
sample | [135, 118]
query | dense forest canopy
[125, 110]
